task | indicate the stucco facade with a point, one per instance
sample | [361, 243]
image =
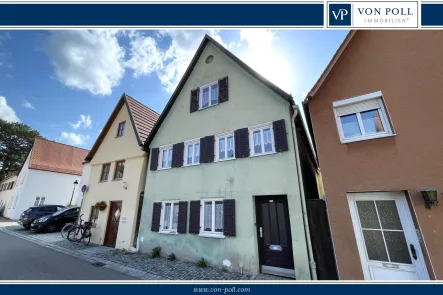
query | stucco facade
[407, 66]
[127, 190]
[6, 194]
[250, 103]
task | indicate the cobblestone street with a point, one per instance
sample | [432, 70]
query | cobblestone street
[139, 265]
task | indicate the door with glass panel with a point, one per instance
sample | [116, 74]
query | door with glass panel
[387, 242]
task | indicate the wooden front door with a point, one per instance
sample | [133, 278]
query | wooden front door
[274, 236]
[113, 222]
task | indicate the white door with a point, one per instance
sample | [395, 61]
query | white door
[387, 241]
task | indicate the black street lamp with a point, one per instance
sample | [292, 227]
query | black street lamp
[75, 183]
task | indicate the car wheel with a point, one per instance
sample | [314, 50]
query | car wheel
[50, 228]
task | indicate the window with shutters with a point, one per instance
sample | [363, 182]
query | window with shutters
[211, 218]
[361, 118]
[169, 217]
[261, 139]
[165, 157]
[224, 147]
[37, 201]
[209, 95]
[105, 172]
[192, 152]
[42, 200]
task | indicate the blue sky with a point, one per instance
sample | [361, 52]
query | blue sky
[66, 83]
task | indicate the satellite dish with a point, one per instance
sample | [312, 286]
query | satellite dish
[84, 188]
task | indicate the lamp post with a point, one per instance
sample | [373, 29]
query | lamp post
[75, 183]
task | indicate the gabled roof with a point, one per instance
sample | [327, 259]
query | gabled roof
[189, 70]
[142, 120]
[56, 157]
[287, 97]
[331, 64]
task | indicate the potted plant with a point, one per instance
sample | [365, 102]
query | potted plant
[101, 205]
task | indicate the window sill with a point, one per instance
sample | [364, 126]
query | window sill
[264, 154]
[356, 139]
[209, 235]
[164, 168]
[190, 165]
[101, 181]
[117, 179]
[224, 160]
[168, 233]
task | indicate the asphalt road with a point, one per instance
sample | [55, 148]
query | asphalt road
[24, 260]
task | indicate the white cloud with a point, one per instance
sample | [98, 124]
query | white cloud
[169, 64]
[85, 122]
[87, 60]
[9, 76]
[260, 51]
[6, 112]
[28, 105]
[73, 138]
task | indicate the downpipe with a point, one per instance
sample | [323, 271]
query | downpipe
[312, 264]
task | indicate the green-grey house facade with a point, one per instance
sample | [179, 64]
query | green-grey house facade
[224, 179]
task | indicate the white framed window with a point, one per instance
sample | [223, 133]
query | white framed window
[362, 117]
[261, 139]
[209, 95]
[224, 147]
[211, 218]
[169, 217]
[192, 152]
[165, 157]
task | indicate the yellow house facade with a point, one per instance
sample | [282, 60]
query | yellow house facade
[117, 176]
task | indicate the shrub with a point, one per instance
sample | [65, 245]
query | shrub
[202, 262]
[172, 257]
[156, 252]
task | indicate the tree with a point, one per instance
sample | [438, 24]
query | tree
[16, 140]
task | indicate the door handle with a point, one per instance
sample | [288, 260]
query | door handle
[414, 253]
[261, 232]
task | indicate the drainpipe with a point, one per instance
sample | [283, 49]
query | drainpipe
[312, 265]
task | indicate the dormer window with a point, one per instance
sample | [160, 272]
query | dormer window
[209, 95]
[121, 129]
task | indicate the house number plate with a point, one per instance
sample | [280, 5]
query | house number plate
[275, 248]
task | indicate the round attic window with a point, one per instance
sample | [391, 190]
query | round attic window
[209, 59]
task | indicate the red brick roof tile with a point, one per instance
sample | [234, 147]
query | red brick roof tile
[56, 157]
[144, 117]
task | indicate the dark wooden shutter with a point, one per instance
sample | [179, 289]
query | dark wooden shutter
[154, 159]
[194, 217]
[177, 154]
[241, 143]
[207, 149]
[229, 217]
[223, 91]
[194, 100]
[280, 136]
[182, 217]
[156, 212]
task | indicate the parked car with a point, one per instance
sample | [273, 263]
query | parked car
[29, 215]
[56, 221]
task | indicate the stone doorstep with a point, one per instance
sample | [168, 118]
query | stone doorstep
[108, 264]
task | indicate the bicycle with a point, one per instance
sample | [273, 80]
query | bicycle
[68, 226]
[81, 232]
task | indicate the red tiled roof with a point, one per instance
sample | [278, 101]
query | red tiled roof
[142, 120]
[56, 157]
[144, 117]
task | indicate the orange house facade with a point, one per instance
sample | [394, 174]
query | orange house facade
[376, 118]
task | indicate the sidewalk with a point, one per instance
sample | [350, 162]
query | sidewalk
[136, 264]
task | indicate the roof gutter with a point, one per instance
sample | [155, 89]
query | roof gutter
[312, 264]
